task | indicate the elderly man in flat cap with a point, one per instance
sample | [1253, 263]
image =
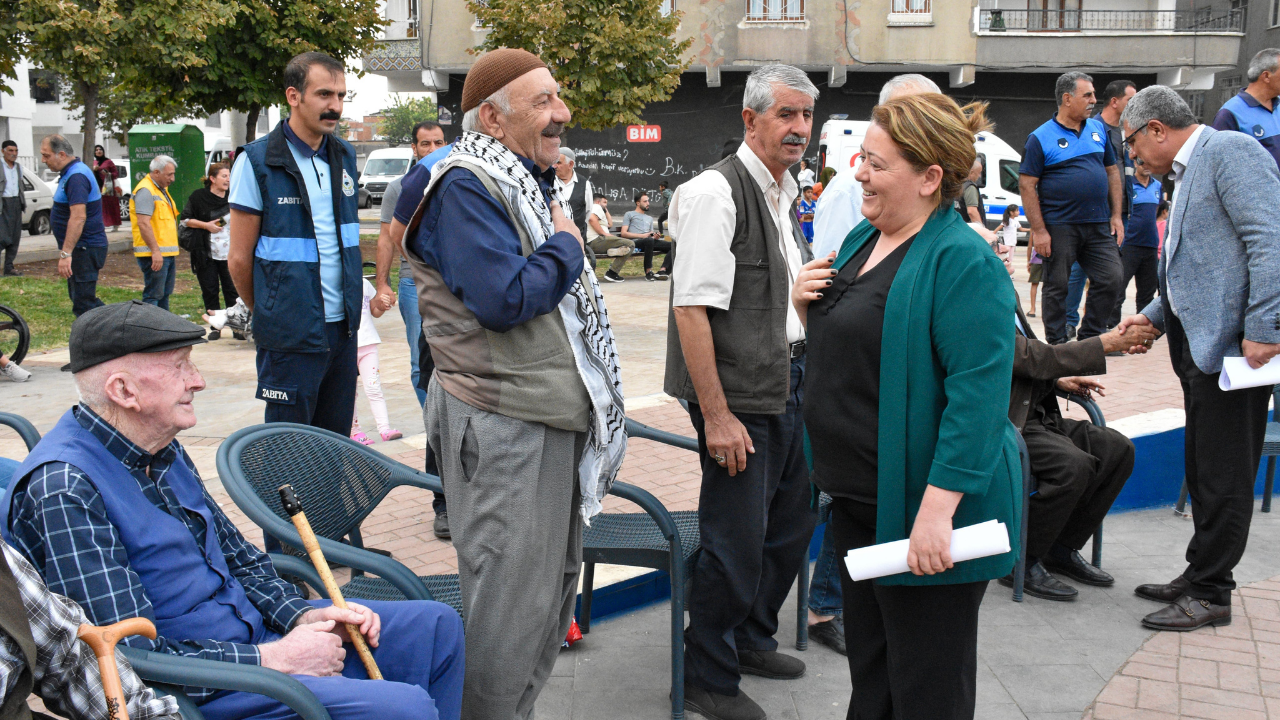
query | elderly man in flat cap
[111, 511]
[524, 410]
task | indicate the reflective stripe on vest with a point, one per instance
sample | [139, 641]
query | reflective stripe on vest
[164, 221]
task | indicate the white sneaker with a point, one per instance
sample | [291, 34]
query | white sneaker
[15, 373]
[621, 251]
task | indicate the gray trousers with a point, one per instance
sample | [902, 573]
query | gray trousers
[514, 515]
[10, 229]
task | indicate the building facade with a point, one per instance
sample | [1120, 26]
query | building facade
[1007, 52]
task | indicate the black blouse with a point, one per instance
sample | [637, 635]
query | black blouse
[842, 374]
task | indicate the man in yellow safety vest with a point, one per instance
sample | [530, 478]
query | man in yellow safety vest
[155, 231]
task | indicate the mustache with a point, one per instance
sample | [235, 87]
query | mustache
[553, 129]
[330, 115]
[793, 139]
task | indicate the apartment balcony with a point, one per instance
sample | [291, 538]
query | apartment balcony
[1184, 47]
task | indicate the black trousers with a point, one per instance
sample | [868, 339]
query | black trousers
[1224, 437]
[212, 273]
[913, 650]
[82, 286]
[1142, 263]
[652, 245]
[1093, 247]
[1079, 470]
[755, 529]
[317, 389]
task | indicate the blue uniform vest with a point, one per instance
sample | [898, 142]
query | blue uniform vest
[1255, 120]
[1073, 187]
[77, 168]
[192, 592]
[1141, 230]
[288, 312]
[93, 234]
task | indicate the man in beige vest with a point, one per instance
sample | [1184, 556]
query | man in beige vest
[524, 410]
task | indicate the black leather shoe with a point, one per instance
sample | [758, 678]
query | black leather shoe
[829, 633]
[770, 664]
[1074, 567]
[1188, 613]
[441, 526]
[721, 707]
[1039, 583]
[1166, 593]
[65, 368]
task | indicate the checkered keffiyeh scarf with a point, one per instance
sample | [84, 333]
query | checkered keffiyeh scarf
[586, 320]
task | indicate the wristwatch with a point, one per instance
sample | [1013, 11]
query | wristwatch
[63, 254]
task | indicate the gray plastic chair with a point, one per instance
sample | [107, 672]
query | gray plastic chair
[1270, 449]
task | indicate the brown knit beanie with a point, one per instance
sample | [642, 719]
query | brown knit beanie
[493, 71]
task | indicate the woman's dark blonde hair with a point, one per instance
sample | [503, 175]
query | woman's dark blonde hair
[214, 169]
[931, 129]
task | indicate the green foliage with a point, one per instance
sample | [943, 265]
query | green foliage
[12, 49]
[147, 45]
[123, 104]
[246, 59]
[396, 125]
[611, 57]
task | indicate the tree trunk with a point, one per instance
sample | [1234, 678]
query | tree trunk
[89, 93]
[251, 123]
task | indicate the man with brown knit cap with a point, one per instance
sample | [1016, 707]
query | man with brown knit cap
[524, 410]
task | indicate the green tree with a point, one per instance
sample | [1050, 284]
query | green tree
[611, 57]
[396, 125]
[123, 104]
[148, 45]
[246, 59]
[12, 49]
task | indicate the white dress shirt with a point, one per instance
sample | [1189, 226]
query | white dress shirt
[839, 211]
[1179, 170]
[702, 219]
[565, 189]
[11, 180]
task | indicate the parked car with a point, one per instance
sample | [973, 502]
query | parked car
[39, 203]
[383, 166]
[125, 182]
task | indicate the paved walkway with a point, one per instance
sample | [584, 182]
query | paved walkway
[1039, 660]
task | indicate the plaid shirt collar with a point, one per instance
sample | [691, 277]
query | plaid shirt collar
[121, 447]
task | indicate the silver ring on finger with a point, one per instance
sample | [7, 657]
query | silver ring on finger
[719, 459]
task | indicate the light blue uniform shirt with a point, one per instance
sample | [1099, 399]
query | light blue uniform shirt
[316, 174]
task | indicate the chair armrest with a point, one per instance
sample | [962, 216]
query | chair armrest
[640, 430]
[23, 427]
[290, 565]
[195, 672]
[650, 505]
[1090, 407]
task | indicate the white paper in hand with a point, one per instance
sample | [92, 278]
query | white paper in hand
[1237, 374]
[967, 543]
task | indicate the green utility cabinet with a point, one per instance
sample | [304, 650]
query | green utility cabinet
[183, 143]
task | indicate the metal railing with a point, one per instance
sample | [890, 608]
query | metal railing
[775, 11]
[1110, 21]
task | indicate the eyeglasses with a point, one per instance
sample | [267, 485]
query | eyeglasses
[1129, 140]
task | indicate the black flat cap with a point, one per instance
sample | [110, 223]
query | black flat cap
[112, 331]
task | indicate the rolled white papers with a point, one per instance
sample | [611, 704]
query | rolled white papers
[967, 543]
[1237, 374]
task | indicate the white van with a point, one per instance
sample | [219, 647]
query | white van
[216, 149]
[840, 143]
[383, 166]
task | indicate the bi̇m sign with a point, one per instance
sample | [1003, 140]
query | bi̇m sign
[644, 133]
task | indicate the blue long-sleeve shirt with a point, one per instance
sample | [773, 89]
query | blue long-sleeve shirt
[466, 235]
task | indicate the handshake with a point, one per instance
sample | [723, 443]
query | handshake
[1130, 337]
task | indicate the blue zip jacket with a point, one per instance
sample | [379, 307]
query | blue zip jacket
[288, 312]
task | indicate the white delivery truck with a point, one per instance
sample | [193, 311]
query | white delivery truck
[383, 166]
[840, 144]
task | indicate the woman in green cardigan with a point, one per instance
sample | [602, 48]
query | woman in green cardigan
[910, 353]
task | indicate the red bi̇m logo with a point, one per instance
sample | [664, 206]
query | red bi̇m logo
[644, 133]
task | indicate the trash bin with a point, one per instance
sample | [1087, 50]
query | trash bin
[183, 143]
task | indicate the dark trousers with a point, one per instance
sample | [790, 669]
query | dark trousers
[1142, 263]
[317, 389]
[157, 285]
[212, 273]
[82, 286]
[1079, 470]
[10, 229]
[1224, 437]
[913, 650]
[1093, 247]
[755, 528]
[652, 245]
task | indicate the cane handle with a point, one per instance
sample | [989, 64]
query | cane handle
[102, 641]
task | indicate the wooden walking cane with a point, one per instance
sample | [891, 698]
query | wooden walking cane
[312, 546]
[102, 640]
